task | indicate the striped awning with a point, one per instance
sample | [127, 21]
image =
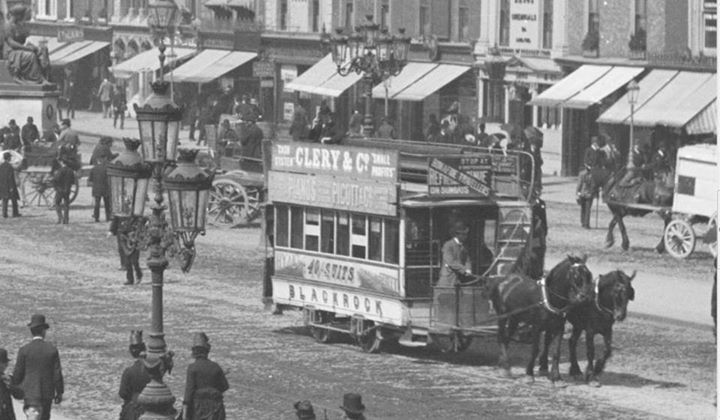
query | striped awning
[610, 82]
[323, 79]
[705, 122]
[69, 54]
[651, 84]
[571, 85]
[679, 101]
[52, 42]
[411, 73]
[148, 61]
[431, 82]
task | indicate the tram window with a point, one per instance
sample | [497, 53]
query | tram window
[489, 233]
[312, 229]
[358, 238]
[343, 234]
[327, 232]
[281, 226]
[296, 227]
[375, 239]
[392, 247]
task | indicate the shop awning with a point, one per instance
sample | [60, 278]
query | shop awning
[611, 81]
[52, 42]
[431, 82]
[210, 64]
[705, 122]
[411, 73]
[681, 112]
[322, 79]
[679, 101]
[571, 85]
[149, 61]
[72, 55]
[619, 112]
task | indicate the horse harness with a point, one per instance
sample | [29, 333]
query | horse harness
[600, 308]
[546, 302]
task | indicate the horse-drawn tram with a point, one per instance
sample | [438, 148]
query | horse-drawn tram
[361, 235]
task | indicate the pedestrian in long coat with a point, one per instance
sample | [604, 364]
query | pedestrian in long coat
[133, 380]
[100, 183]
[7, 390]
[8, 186]
[38, 372]
[63, 181]
[251, 140]
[29, 133]
[105, 92]
[205, 384]
[129, 256]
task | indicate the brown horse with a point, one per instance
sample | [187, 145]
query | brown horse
[612, 293]
[656, 195]
[542, 305]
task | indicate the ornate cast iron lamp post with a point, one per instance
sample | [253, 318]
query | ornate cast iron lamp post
[369, 50]
[188, 189]
[632, 90]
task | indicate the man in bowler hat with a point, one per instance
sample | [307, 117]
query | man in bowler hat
[8, 186]
[456, 262]
[205, 384]
[134, 379]
[353, 407]
[7, 390]
[38, 373]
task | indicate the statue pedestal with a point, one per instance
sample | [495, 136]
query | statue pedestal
[19, 101]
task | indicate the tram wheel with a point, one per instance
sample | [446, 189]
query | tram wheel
[320, 334]
[369, 337]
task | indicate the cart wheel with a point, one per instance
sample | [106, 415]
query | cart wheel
[231, 204]
[37, 189]
[323, 335]
[370, 340]
[679, 238]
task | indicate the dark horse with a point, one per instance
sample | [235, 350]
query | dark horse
[655, 194]
[542, 305]
[612, 293]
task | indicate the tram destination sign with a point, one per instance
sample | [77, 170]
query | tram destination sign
[357, 195]
[474, 175]
[338, 161]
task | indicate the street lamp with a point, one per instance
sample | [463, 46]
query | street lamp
[161, 21]
[369, 50]
[495, 67]
[188, 189]
[632, 90]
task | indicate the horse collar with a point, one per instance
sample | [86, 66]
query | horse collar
[596, 283]
[545, 301]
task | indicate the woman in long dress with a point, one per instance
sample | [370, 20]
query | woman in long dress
[24, 60]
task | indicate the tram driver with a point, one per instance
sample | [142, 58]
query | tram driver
[456, 265]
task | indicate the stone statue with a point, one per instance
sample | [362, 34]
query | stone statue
[27, 63]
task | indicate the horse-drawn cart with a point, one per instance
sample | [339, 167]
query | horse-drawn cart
[35, 179]
[239, 189]
[693, 200]
[685, 199]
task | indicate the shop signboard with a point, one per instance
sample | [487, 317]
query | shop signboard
[525, 24]
[263, 69]
[337, 177]
[478, 175]
[70, 34]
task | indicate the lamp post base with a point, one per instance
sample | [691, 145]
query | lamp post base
[156, 398]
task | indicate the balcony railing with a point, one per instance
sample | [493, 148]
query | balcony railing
[682, 60]
[230, 25]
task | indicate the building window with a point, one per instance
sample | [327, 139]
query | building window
[710, 25]
[385, 14]
[547, 24]
[349, 16]
[593, 17]
[315, 18]
[504, 23]
[640, 15]
[463, 22]
[47, 9]
[424, 19]
[283, 14]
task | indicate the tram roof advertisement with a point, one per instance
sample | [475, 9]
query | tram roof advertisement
[338, 177]
[474, 175]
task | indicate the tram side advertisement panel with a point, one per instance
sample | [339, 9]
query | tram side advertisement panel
[296, 292]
